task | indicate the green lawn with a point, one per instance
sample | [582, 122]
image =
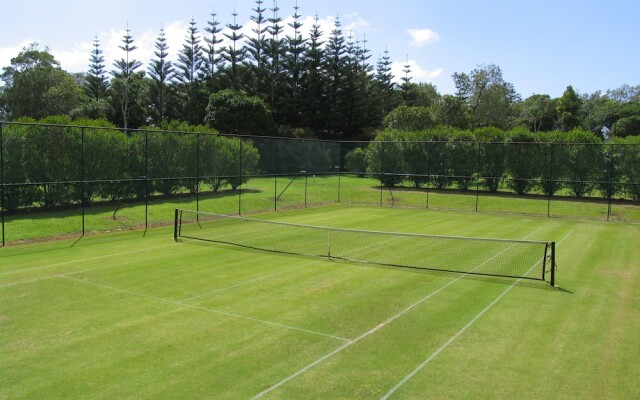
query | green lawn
[135, 315]
[286, 193]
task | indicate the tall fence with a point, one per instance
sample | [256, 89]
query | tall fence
[69, 180]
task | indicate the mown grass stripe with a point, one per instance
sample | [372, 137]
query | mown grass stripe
[458, 334]
[187, 305]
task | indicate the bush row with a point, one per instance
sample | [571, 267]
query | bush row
[525, 161]
[99, 162]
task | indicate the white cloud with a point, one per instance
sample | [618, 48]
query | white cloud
[77, 57]
[423, 36]
[417, 74]
[7, 53]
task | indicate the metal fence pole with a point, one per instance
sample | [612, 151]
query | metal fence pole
[146, 179]
[550, 179]
[381, 171]
[275, 180]
[82, 177]
[240, 177]
[477, 174]
[339, 168]
[428, 144]
[306, 169]
[609, 211]
[197, 172]
[2, 178]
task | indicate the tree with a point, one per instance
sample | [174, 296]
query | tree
[313, 79]
[388, 99]
[538, 113]
[274, 65]
[188, 72]
[568, 108]
[409, 119]
[96, 84]
[488, 96]
[384, 159]
[295, 49]
[36, 86]
[235, 112]
[335, 63]
[212, 58]
[161, 72]
[127, 86]
[256, 48]
[454, 112]
[627, 126]
[96, 87]
[234, 54]
[406, 85]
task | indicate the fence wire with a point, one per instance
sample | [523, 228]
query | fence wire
[68, 180]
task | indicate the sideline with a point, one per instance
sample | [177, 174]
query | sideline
[460, 332]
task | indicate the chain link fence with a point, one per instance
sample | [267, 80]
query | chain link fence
[69, 180]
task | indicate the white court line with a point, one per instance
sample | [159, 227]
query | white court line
[460, 332]
[81, 260]
[63, 274]
[248, 282]
[179, 303]
[379, 326]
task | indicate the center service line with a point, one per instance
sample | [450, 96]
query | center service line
[378, 327]
[460, 332]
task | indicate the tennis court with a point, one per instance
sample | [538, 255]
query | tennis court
[143, 316]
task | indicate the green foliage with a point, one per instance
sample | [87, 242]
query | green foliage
[626, 126]
[568, 107]
[37, 87]
[235, 112]
[356, 161]
[67, 162]
[409, 118]
[384, 158]
[629, 165]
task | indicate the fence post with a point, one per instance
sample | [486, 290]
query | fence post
[306, 169]
[550, 179]
[82, 177]
[610, 153]
[240, 177]
[381, 171]
[2, 178]
[477, 174]
[146, 179]
[428, 144]
[197, 172]
[275, 180]
[340, 155]
[552, 280]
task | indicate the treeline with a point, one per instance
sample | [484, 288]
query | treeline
[291, 80]
[522, 161]
[46, 165]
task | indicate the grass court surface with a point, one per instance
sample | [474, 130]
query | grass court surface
[140, 316]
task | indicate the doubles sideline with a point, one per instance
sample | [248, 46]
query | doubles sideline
[460, 332]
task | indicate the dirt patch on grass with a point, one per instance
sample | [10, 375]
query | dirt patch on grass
[616, 272]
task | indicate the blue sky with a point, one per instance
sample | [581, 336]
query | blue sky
[542, 46]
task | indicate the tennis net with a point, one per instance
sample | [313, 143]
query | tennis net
[478, 256]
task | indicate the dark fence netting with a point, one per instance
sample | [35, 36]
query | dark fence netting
[70, 180]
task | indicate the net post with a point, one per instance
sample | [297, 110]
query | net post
[175, 225]
[552, 280]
